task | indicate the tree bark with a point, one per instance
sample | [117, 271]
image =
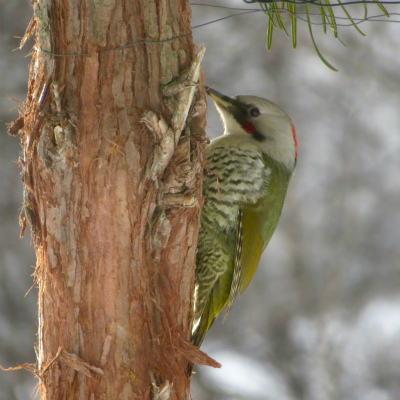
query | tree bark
[115, 242]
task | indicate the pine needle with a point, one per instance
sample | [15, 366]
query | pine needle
[323, 59]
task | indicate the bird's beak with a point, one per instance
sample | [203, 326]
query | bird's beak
[220, 99]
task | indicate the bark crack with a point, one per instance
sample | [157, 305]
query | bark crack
[168, 136]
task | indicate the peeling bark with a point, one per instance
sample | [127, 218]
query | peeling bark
[115, 242]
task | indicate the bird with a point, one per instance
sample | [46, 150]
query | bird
[246, 177]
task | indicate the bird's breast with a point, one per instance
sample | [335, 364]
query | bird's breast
[235, 177]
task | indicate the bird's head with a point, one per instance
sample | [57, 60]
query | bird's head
[262, 122]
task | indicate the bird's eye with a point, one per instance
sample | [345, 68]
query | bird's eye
[254, 112]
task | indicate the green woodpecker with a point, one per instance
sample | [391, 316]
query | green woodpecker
[248, 171]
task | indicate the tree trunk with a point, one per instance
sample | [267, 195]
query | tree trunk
[115, 234]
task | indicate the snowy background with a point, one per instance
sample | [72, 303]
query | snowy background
[321, 319]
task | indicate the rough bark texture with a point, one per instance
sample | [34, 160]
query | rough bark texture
[115, 260]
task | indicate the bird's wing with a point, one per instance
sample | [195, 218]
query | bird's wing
[248, 250]
[252, 246]
[260, 220]
[237, 265]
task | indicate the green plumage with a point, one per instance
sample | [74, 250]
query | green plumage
[244, 193]
[246, 178]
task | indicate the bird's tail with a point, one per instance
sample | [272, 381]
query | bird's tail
[200, 331]
[206, 320]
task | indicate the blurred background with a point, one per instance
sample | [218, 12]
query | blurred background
[321, 319]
